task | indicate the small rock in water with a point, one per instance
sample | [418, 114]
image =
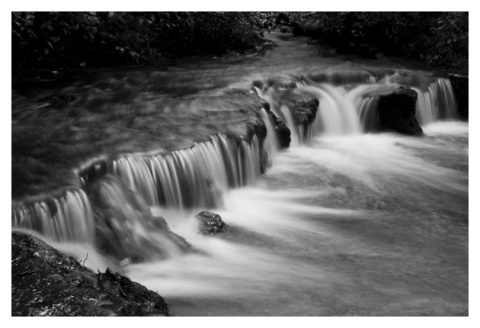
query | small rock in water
[211, 223]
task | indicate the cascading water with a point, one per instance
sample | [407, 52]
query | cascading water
[66, 218]
[343, 223]
[341, 200]
[328, 205]
[438, 102]
[271, 141]
[198, 177]
[191, 178]
[194, 177]
[297, 136]
[368, 113]
[335, 222]
[338, 112]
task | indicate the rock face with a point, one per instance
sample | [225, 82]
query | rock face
[304, 109]
[460, 88]
[397, 112]
[47, 283]
[211, 223]
[283, 132]
[256, 127]
[304, 112]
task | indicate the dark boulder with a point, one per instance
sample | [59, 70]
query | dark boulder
[460, 89]
[256, 127]
[304, 112]
[396, 112]
[48, 283]
[282, 130]
[264, 160]
[211, 223]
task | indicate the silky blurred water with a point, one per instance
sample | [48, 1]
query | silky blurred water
[342, 224]
[373, 224]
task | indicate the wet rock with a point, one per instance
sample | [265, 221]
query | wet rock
[304, 109]
[93, 171]
[48, 283]
[211, 223]
[264, 160]
[397, 112]
[283, 132]
[115, 214]
[256, 127]
[304, 112]
[460, 89]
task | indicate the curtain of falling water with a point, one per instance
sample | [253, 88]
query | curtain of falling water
[67, 218]
[194, 177]
[437, 102]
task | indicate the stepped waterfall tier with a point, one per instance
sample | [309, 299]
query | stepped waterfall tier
[340, 189]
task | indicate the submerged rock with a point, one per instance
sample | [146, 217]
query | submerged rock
[396, 112]
[117, 209]
[460, 89]
[211, 223]
[48, 283]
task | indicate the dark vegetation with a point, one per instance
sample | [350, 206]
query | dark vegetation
[47, 44]
[436, 38]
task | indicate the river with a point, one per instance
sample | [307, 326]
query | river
[343, 223]
[375, 224]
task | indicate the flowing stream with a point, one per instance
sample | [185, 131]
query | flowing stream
[349, 225]
[344, 222]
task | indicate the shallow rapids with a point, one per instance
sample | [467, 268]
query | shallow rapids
[343, 222]
[351, 225]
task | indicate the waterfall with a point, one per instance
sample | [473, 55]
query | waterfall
[199, 176]
[296, 135]
[368, 113]
[271, 141]
[67, 218]
[436, 103]
[337, 113]
[194, 177]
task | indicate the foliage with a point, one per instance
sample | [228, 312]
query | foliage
[437, 38]
[55, 39]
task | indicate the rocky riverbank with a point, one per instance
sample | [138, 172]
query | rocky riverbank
[48, 283]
